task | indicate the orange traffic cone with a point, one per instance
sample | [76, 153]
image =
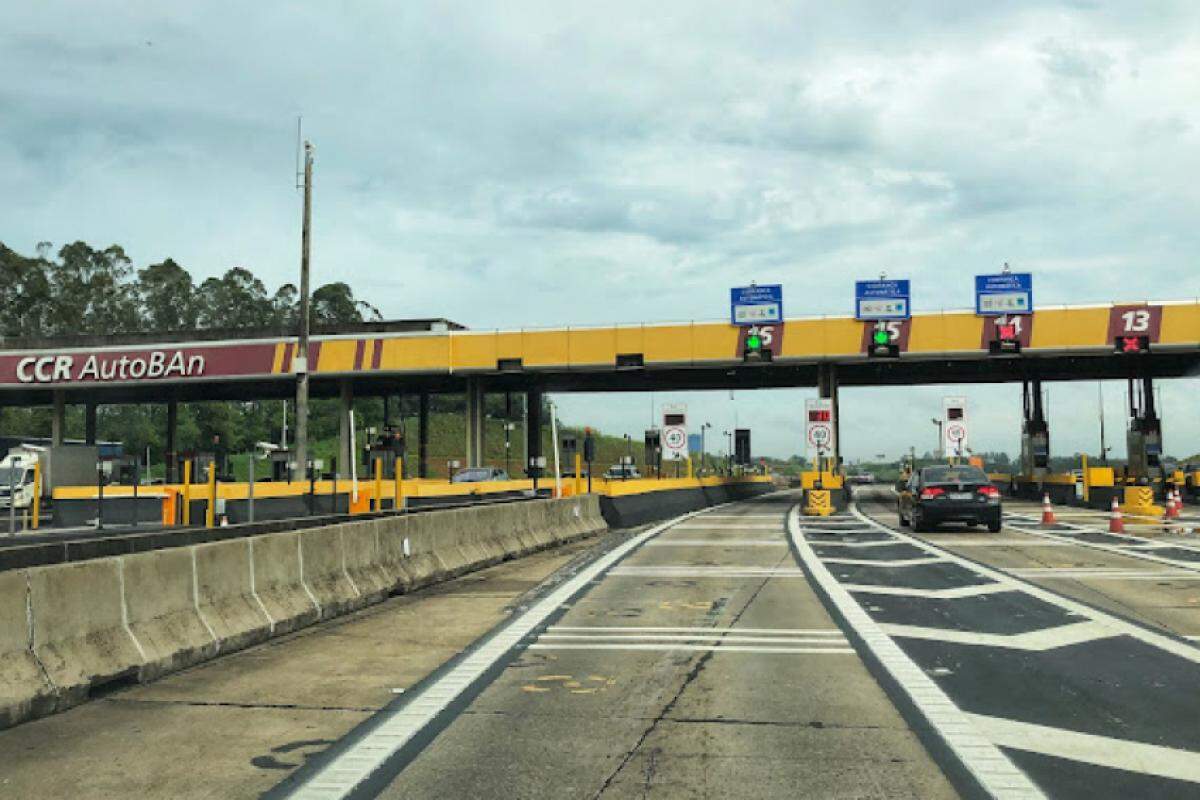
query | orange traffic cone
[1047, 512]
[1116, 524]
[1172, 505]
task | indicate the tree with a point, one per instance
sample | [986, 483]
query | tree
[24, 294]
[167, 297]
[334, 303]
[91, 292]
[235, 300]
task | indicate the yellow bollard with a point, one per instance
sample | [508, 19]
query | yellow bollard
[578, 474]
[37, 493]
[187, 492]
[210, 516]
[379, 484]
[398, 501]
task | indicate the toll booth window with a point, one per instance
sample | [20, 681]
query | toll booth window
[954, 413]
[673, 419]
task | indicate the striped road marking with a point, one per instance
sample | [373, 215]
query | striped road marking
[355, 765]
[996, 775]
[734, 640]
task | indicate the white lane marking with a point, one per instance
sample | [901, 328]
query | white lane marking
[898, 562]
[351, 768]
[1103, 573]
[721, 648]
[1147, 759]
[1192, 638]
[760, 631]
[874, 543]
[1033, 641]
[689, 637]
[717, 543]
[726, 527]
[1170, 645]
[1117, 549]
[938, 594]
[706, 572]
[1001, 543]
[778, 517]
[987, 763]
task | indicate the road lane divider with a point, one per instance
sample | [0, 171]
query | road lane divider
[984, 763]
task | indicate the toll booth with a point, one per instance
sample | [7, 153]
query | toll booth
[741, 447]
[1035, 433]
[281, 466]
[568, 446]
[1144, 438]
[201, 461]
[389, 446]
[653, 452]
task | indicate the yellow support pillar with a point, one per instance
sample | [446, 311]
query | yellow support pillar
[398, 502]
[378, 504]
[37, 493]
[187, 492]
[1087, 483]
[578, 474]
[210, 516]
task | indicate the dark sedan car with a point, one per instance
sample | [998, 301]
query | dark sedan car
[949, 494]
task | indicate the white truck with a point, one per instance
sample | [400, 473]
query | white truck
[65, 465]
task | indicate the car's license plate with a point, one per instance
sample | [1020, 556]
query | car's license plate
[959, 496]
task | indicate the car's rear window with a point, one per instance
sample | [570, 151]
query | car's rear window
[953, 475]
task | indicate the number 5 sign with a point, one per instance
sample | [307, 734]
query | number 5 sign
[1141, 320]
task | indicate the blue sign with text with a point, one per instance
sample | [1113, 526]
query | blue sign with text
[1006, 293]
[756, 305]
[874, 300]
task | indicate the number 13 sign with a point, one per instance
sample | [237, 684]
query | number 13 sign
[1143, 320]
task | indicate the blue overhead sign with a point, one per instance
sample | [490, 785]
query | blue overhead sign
[756, 305]
[1006, 293]
[874, 300]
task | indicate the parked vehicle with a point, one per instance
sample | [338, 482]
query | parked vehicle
[938, 494]
[479, 475]
[621, 472]
[66, 465]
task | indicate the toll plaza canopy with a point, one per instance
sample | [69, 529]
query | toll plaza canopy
[1058, 343]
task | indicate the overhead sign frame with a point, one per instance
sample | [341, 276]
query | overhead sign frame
[882, 300]
[1005, 294]
[755, 304]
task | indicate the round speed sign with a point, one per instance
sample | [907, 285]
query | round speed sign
[675, 438]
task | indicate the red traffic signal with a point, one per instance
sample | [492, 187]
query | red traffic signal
[1132, 345]
[1006, 332]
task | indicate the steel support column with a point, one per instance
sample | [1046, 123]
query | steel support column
[58, 420]
[533, 426]
[827, 388]
[345, 451]
[89, 422]
[475, 417]
[423, 434]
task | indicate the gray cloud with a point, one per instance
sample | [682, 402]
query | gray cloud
[541, 163]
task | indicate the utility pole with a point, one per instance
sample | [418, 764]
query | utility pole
[301, 359]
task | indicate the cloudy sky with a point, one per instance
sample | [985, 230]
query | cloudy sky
[510, 164]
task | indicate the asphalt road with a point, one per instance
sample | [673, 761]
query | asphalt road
[701, 664]
[1069, 650]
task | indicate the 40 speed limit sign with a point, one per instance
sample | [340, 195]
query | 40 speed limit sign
[818, 426]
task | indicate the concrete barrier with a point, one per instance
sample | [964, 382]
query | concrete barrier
[225, 596]
[324, 571]
[66, 629]
[162, 612]
[79, 631]
[24, 691]
[364, 560]
[279, 584]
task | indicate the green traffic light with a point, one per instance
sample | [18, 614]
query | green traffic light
[883, 337]
[753, 342]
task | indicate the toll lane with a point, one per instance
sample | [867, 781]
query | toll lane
[701, 664]
[1022, 682]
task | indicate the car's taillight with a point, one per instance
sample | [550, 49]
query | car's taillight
[989, 491]
[932, 492]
